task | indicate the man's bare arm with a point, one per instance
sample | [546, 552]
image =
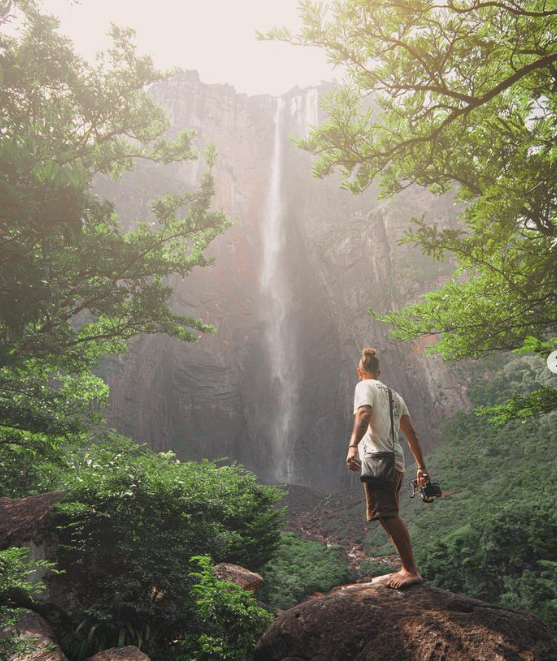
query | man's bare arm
[414, 443]
[361, 423]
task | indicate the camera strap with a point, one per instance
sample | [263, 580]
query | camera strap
[392, 418]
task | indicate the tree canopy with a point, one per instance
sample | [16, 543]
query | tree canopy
[453, 94]
[74, 284]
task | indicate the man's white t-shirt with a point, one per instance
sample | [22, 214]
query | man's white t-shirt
[374, 393]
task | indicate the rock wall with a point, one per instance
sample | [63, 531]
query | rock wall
[339, 256]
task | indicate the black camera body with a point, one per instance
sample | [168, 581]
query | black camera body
[428, 492]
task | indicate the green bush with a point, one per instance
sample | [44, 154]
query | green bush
[300, 567]
[14, 575]
[131, 523]
[374, 568]
[30, 470]
[534, 592]
[228, 619]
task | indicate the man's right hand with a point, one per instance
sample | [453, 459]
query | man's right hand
[352, 460]
[422, 477]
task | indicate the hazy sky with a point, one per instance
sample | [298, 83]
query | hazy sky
[216, 37]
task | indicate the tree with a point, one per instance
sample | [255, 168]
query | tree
[74, 285]
[443, 94]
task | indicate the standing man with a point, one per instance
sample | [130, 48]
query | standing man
[372, 424]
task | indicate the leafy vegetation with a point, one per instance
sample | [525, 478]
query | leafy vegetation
[228, 617]
[453, 94]
[374, 568]
[132, 521]
[14, 575]
[74, 283]
[300, 567]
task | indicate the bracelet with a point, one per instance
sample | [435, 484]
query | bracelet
[422, 468]
[353, 446]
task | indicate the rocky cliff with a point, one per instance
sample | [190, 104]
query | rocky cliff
[289, 293]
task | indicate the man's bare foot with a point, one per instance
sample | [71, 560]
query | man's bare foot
[403, 578]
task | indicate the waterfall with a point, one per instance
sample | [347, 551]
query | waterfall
[305, 108]
[279, 336]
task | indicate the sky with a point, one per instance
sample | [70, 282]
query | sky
[214, 37]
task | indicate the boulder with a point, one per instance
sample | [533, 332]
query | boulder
[129, 653]
[246, 579]
[372, 622]
[27, 520]
[40, 640]
[30, 522]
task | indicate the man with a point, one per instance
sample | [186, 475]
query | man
[372, 425]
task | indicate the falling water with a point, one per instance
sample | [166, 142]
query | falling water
[279, 337]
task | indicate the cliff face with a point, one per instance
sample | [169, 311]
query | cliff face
[289, 294]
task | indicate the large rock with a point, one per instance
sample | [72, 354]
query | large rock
[371, 622]
[129, 653]
[27, 520]
[245, 578]
[39, 638]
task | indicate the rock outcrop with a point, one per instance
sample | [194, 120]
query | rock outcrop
[25, 521]
[128, 653]
[245, 578]
[40, 643]
[338, 255]
[28, 522]
[372, 622]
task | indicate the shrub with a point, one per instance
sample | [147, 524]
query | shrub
[374, 568]
[299, 568]
[130, 525]
[228, 619]
[14, 574]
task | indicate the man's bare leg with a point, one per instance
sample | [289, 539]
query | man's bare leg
[397, 531]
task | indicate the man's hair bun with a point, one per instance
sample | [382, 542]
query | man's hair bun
[369, 361]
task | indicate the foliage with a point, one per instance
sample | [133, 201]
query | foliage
[535, 401]
[456, 93]
[27, 470]
[74, 284]
[374, 568]
[14, 575]
[132, 521]
[228, 619]
[493, 535]
[519, 407]
[300, 567]
[535, 592]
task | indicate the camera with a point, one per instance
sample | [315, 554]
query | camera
[428, 492]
